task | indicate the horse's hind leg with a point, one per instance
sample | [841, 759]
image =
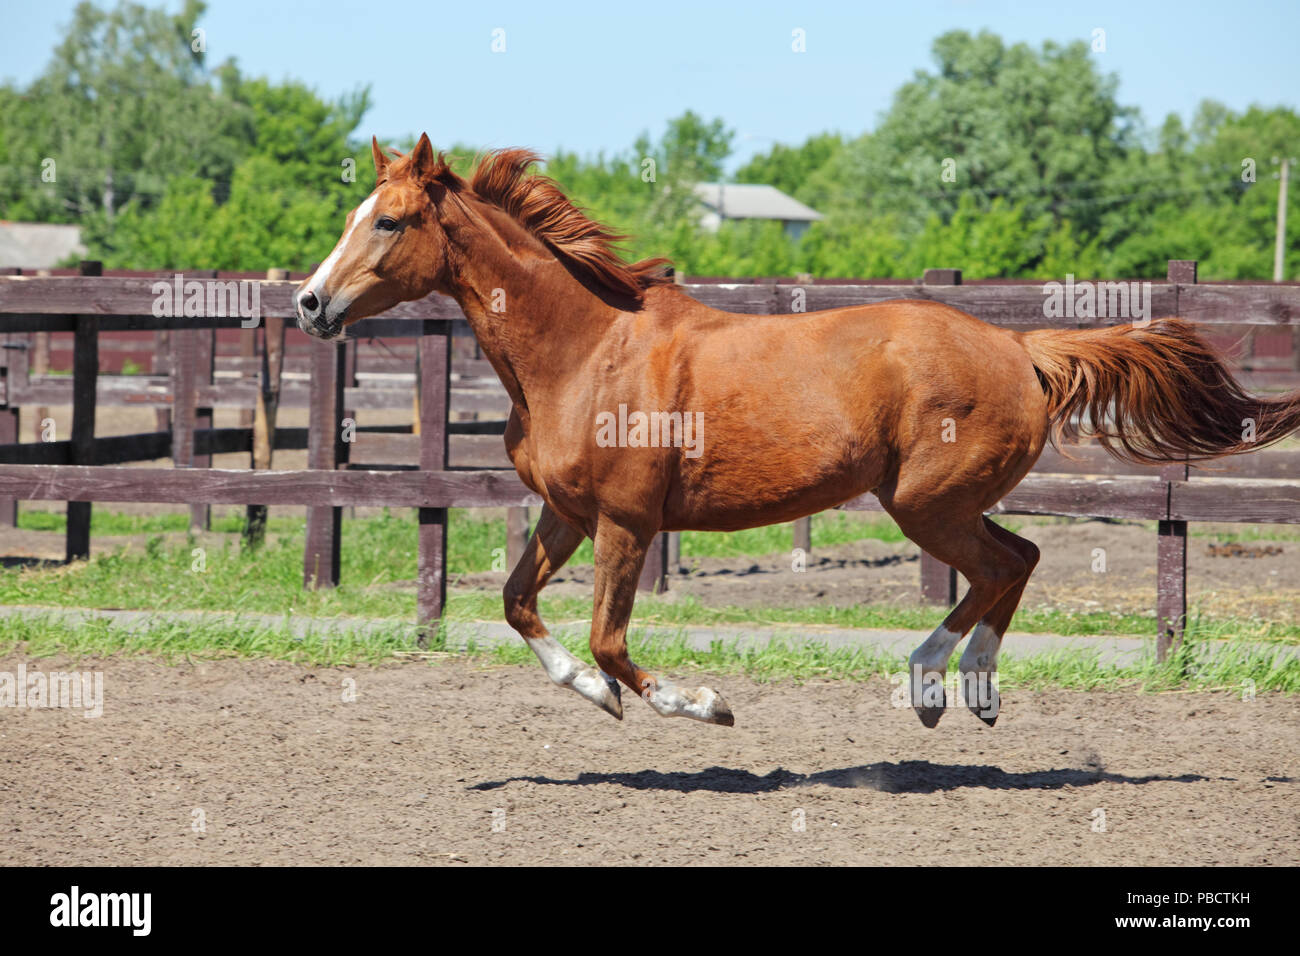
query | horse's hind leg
[551, 545]
[620, 554]
[979, 662]
[992, 569]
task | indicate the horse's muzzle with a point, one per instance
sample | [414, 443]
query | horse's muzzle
[314, 317]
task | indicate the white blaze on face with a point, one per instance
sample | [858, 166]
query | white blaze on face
[322, 274]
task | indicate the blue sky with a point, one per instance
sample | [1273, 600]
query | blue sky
[591, 76]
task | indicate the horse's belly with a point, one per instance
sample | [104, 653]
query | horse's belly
[740, 500]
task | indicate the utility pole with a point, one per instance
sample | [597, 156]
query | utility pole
[1279, 251]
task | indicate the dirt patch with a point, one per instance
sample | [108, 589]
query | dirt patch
[428, 758]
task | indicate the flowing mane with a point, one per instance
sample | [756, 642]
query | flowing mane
[537, 203]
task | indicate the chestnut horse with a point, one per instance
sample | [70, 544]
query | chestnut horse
[637, 409]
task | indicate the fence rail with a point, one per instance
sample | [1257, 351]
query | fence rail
[424, 466]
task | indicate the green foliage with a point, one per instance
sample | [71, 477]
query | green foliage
[1022, 125]
[117, 109]
[1003, 159]
[166, 163]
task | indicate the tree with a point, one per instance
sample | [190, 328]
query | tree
[798, 171]
[124, 106]
[1003, 121]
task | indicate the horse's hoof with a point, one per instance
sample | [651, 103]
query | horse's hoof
[722, 714]
[611, 704]
[980, 692]
[929, 696]
[989, 711]
[702, 703]
[612, 701]
[930, 715]
[602, 690]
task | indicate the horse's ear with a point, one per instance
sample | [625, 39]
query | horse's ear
[425, 166]
[381, 161]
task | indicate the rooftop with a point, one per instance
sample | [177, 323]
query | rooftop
[751, 201]
[38, 245]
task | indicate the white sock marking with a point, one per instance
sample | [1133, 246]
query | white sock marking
[978, 666]
[669, 700]
[981, 653]
[567, 671]
[935, 650]
[561, 666]
[927, 667]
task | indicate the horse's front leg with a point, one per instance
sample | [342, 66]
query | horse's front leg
[620, 553]
[551, 545]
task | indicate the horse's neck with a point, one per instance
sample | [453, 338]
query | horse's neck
[532, 318]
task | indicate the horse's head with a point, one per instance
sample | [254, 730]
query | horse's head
[392, 248]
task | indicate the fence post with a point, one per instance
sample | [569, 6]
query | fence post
[205, 360]
[162, 365]
[516, 536]
[39, 364]
[1171, 543]
[320, 566]
[85, 381]
[248, 350]
[266, 410]
[803, 535]
[654, 573]
[350, 350]
[184, 381]
[9, 435]
[13, 365]
[433, 382]
[938, 581]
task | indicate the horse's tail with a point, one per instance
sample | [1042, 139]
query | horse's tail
[1152, 393]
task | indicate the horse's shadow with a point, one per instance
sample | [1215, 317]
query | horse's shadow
[908, 776]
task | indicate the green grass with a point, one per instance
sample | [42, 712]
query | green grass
[104, 522]
[688, 612]
[171, 640]
[475, 543]
[1252, 532]
[380, 552]
[334, 645]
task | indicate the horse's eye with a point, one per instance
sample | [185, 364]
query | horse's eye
[384, 224]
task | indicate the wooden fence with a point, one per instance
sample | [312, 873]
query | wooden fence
[441, 462]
